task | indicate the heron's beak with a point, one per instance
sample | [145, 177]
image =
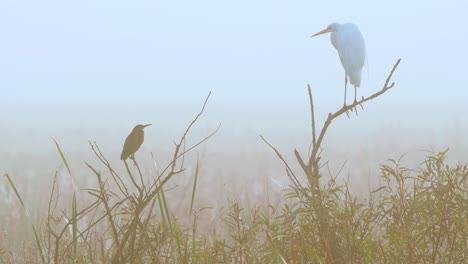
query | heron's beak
[328, 29]
[146, 125]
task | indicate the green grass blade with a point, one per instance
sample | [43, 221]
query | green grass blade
[16, 192]
[161, 209]
[74, 226]
[166, 209]
[62, 156]
[38, 242]
[194, 187]
[177, 235]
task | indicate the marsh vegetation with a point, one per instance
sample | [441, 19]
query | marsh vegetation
[416, 215]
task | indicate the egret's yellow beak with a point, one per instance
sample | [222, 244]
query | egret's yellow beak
[328, 29]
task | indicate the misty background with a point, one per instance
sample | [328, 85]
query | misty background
[87, 70]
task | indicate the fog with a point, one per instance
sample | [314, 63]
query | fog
[86, 71]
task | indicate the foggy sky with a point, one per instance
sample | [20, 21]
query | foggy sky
[91, 68]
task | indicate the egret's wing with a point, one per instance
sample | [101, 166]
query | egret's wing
[352, 51]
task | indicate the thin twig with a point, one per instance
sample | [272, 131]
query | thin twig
[131, 176]
[120, 184]
[190, 148]
[104, 199]
[139, 172]
[293, 178]
[314, 140]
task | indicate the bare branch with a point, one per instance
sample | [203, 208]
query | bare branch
[131, 177]
[345, 109]
[192, 147]
[288, 168]
[157, 185]
[314, 140]
[182, 139]
[120, 184]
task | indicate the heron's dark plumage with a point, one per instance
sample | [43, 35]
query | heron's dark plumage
[133, 141]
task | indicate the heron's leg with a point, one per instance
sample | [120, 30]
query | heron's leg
[134, 160]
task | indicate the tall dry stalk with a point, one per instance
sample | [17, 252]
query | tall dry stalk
[313, 194]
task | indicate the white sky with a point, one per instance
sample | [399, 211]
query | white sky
[157, 51]
[256, 56]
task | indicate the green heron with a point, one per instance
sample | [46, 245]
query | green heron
[133, 142]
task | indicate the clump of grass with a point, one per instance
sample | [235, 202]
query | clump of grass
[425, 215]
[417, 216]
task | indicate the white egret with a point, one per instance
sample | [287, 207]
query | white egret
[348, 41]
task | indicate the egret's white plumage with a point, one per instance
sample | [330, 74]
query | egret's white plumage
[348, 41]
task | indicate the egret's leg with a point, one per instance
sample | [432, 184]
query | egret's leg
[355, 92]
[345, 84]
[355, 100]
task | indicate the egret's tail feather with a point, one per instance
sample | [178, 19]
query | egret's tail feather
[355, 77]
